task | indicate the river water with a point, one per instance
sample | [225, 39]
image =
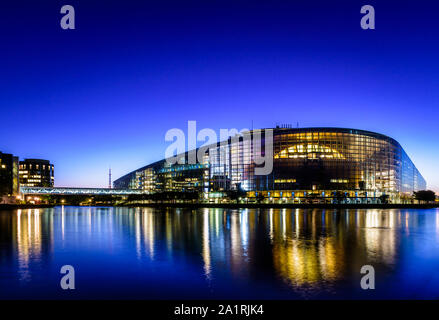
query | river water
[147, 253]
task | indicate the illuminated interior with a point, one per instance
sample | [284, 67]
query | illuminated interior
[309, 151]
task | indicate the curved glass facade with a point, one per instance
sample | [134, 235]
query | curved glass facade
[307, 162]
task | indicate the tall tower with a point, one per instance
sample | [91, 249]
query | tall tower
[109, 178]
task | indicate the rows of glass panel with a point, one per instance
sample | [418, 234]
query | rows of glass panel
[311, 161]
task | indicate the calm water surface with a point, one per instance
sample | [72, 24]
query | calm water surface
[147, 253]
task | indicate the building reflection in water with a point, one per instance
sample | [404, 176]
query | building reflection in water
[62, 222]
[206, 243]
[299, 248]
[379, 233]
[437, 224]
[301, 255]
[27, 240]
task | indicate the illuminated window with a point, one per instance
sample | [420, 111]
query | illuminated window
[284, 180]
[310, 151]
[339, 180]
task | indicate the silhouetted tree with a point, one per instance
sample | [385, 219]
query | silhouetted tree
[384, 198]
[424, 195]
[339, 196]
[234, 195]
[260, 197]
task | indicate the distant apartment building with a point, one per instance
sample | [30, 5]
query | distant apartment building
[36, 173]
[9, 179]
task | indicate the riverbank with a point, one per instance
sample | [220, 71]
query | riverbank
[284, 205]
[243, 206]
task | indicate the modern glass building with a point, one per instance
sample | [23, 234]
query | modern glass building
[9, 181]
[36, 173]
[308, 164]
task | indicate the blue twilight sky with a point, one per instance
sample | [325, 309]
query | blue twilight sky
[105, 93]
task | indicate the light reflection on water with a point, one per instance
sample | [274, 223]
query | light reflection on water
[218, 253]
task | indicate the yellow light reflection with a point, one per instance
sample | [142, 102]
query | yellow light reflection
[28, 240]
[206, 244]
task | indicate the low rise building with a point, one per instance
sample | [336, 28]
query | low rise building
[36, 173]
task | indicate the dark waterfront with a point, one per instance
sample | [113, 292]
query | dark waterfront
[148, 253]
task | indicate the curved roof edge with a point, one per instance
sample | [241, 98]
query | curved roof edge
[288, 130]
[336, 129]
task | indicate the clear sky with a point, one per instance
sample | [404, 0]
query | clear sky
[105, 93]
